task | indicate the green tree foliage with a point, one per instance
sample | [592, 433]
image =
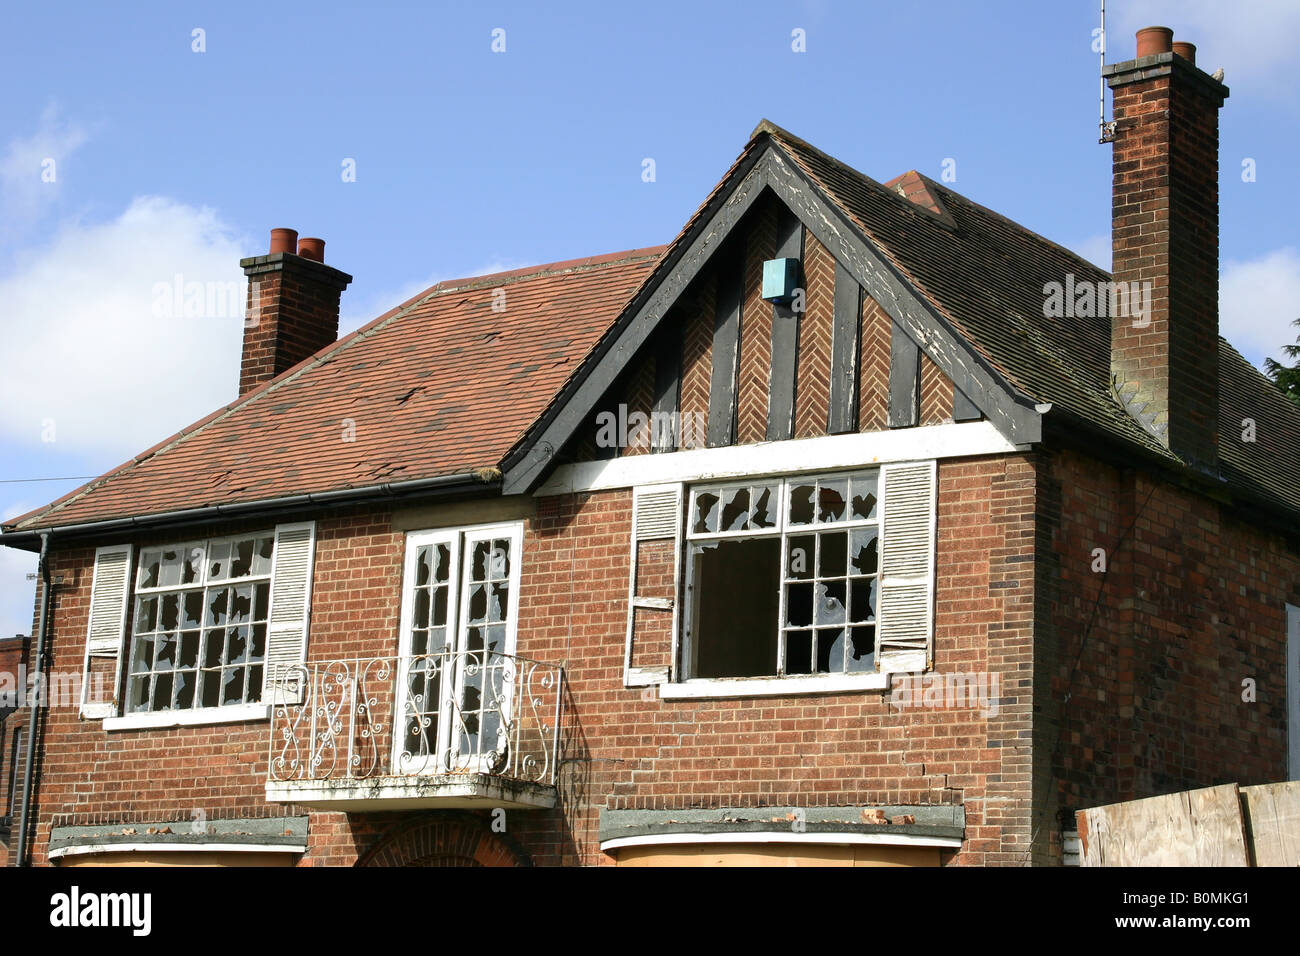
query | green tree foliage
[1287, 378]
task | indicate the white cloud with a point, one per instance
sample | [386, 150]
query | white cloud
[1255, 41]
[17, 594]
[88, 362]
[1258, 301]
[31, 170]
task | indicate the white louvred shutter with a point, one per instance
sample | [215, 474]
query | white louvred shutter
[656, 516]
[110, 590]
[286, 636]
[905, 616]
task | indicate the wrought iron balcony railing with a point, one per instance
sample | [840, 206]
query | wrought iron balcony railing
[424, 716]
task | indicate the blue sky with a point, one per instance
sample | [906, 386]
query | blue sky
[168, 162]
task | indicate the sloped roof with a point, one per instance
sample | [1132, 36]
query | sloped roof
[440, 385]
[986, 274]
[443, 385]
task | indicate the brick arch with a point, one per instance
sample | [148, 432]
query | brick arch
[459, 840]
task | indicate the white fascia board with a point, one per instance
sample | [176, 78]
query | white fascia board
[783, 836]
[97, 849]
[795, 456]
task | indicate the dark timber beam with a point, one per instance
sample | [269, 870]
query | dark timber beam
[845, 335]
[726, 351]
[904, 379]
[1011, 411]
[524, 466]
[1007, 408]
[785, 336]
[668, 364]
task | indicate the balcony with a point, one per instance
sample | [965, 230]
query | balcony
[449, 729]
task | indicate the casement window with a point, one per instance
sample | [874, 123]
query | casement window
[203, 623]
[459, 618]
[797, 577]
[198, 628]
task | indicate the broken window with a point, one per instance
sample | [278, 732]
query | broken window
[782, 577]
[198, 633]
[457, 635]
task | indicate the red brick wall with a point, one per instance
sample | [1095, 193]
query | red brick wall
[1152, 653]
[624, 748]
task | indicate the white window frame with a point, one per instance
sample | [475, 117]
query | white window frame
[783, 684]
[461, 540]
[220, 713]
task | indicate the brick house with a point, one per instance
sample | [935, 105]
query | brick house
[857, 525]
[14, 722]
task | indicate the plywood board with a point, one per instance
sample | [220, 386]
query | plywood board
[1273, 823]
[1192, 828]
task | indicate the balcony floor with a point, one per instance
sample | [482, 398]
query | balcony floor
[423, 792]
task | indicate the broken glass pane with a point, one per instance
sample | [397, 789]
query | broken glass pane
[261, 601]
[798, 652]
[241, 603]
[830, 652]
[237, 645]
[193, 569]
[192, 613]
[150, 562]
[217, 607]
[241, 559]
[706, 512]
[142, 654]
[262, 556]
[863, 546]
[798, 605]
[185, 689]
[477, 603]
[831, 498]
[423, 567]
[165, 649]
[499, 604]
[162, 692]
[169, 574]
[865, 487]
[439, 612]
[218, 560]
[801, 504]
[735, 509]
[863, 599]
[420, 608]
[862, 649]
[832, 553]
[146, 615]
[763, 514]
[189, 650]
[801, 555]
[259, 642]
[232, 686]
[442, 563]
[170, 612]
[830, 602]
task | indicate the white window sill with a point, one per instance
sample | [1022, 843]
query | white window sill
[190, 718]
[773, 686]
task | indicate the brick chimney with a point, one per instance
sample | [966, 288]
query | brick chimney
[1165, 236]
[293, 306]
